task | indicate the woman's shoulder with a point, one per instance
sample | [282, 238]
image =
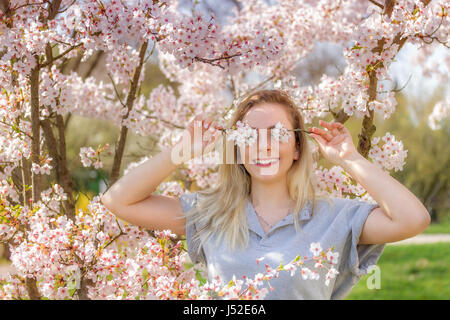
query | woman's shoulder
[188, 200]
[337, 204]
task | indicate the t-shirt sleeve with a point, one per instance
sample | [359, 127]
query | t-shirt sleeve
[357, 259]
[188, 201]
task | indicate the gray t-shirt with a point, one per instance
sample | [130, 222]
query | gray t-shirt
[339, 225]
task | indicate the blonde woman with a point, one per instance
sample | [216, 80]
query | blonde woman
[251, 214]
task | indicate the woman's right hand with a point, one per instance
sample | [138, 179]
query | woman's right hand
[207, 130]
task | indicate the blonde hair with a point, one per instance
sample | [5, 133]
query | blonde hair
[221, 209]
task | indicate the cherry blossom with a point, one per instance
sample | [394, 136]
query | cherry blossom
[440, 114]
[391, 155]
[213, 66]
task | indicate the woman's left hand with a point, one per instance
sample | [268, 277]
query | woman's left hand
[336, 144]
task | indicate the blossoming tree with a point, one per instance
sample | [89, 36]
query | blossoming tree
[61, 253]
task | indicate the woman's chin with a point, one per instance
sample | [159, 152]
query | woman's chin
[265, 172]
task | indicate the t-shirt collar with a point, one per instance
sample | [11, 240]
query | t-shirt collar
[254, 225]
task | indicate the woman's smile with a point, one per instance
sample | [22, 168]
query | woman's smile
[266, 162]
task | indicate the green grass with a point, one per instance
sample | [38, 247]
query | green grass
[442, 227]
[416, 272]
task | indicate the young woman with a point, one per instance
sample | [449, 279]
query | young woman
[252, 214]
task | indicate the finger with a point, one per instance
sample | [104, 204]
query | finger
[207, 135]
[211, 131]
[207, 123]
[214, 133]
[335, 132]
[332, 128]
[215, 125]
[337, 140]
[338, 125]
[325, 124]
[318, 138]
[217, 134]
[326, 135]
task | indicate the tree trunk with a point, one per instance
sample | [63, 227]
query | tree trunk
[120, 147]
[35, 144]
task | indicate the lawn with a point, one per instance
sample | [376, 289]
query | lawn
[442, 227]
[417, 272]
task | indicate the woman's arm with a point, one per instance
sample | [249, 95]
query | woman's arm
[400, 216]
[142, 181]
[130, 198]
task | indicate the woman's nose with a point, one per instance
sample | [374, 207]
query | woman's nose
[264, 139]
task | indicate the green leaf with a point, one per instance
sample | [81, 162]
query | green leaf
[198, 276]
[6, 220]
[72, 291]
[15, 128]
[369, 68]
[17, 213]
[72, 286]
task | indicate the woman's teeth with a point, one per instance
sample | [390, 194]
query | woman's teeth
[266, 163]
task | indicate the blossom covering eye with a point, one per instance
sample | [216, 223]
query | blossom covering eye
[280, 133]
[243, 134]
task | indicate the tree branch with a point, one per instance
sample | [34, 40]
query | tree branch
[368, 127]
[120, 147]
[116, 91]
[212, 61]
[65, 176]
[377, 4]
[35, 113]
[47, 63]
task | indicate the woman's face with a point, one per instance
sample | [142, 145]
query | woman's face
[281, 154]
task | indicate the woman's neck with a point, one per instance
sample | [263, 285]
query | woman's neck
[270, 195]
